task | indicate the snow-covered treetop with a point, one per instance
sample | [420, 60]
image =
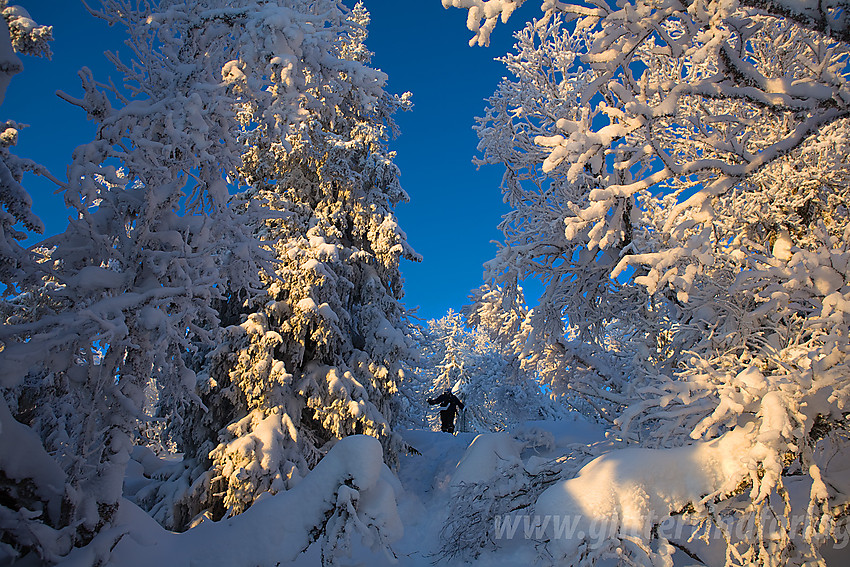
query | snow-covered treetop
[277, 58]
[28, 37]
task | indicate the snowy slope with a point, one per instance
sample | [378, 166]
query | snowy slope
[428, 486]
[411, 509]
[427, 483]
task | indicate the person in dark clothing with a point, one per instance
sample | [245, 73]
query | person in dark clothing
[449, 403]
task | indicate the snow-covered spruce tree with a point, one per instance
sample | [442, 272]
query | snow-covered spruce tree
[20, 34]
[31, 483]
[697, 151]
[129, 282]
[321, 359]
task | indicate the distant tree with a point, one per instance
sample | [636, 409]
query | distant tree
[442, 346]
[679, 179]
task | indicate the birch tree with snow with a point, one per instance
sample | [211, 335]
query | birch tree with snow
[679, 180]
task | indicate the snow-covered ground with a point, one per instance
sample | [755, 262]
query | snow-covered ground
[413, 506]
[427, 484]
[422, 495]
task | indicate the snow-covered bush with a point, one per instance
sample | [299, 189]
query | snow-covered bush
[494, 488]
[349, 498]
[678, 175]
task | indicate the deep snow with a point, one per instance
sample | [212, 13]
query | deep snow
[426, 486]
[427, 481]
[412, 505]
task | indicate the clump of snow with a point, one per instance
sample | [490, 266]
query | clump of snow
[487, 453]
[27, 36]
[34, 483]
[17, 439]
[483, 16]
[782, 246]
[627, 490]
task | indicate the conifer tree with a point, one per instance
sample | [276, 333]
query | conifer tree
[31, 483]
[322, 356]
[20, 35]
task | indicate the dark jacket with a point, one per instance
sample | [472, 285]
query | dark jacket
[449, 401]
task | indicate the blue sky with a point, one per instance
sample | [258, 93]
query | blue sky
[454, 210]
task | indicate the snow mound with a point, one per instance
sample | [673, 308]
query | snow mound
[348, 493]
[486, 454]
[628, 490]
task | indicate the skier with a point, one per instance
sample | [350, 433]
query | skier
[449, 404]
